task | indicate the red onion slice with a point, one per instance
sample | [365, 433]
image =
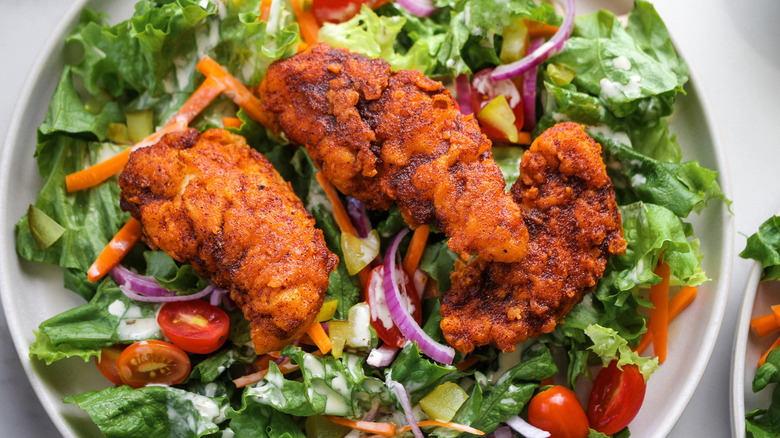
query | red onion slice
[151, 299]
[528, 91]
[421, 8]
[463, 88]
[403, 398]
[382, 356]
[359, 216]
[552, 46]
[140, 284]
[403, 320]
[525, 429]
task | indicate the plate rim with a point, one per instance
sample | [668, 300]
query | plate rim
[48, 52]
[23, 105]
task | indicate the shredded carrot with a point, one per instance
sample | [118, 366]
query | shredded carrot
[538, 29]
[301, 47]
[776, 312]
[364, 426]
[97, 173]
[232, 122]
[100, 172]
[677, 304]
[766, 353]
[320, 338]
[468, 362]
[523, 138]
[235, 90]
[547, 382]
[658, 323]
[455, 426]
[416, 248]
[306, 22]
[342, 219]
[265, 10]
[286, 367]
[764, 325]
[115, 251]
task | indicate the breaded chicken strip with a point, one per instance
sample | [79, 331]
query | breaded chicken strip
[569, 207]
[385, 137]
[212, 201]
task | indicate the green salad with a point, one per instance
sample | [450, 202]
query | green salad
[764, 247]
[618, 79]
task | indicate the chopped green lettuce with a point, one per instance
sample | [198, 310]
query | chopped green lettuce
[609, 346]
[152, 411]
[764, 247]
[764, 423]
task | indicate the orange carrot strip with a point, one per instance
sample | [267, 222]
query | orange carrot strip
[658, 323]
[339, 212]
[416, 248]
[116, 250]
[538, 29]
[342, 219]
[232, 122]
[523, 138]
[764, 325]
[467, 362]
[235, 90]
[766, 353]
[301, 47]
[776, 312]
[677, 304]
[250, 379]
[265, 10]
[198, 101]
[364, 426]
[456, 426]
[306, 22]
[97, 173]
[320, 338]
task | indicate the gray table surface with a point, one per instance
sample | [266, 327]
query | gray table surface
[732, 47]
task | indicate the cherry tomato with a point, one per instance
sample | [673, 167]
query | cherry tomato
[195, 326]
[558, 411]
[615, 398]
[376, 301]
[147, 362]
[107, 363]
[484, 89]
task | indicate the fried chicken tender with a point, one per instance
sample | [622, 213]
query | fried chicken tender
[385, 137]
[210, 200]
[569, 207]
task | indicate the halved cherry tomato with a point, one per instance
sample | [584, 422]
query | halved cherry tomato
[558, 411]
[380, 317]
[616, 398]
[195, 326]
[484, 89]
[337, 11]
[107, 363]
[147, 362]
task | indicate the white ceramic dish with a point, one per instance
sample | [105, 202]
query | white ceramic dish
[748, 348]
[33, 292]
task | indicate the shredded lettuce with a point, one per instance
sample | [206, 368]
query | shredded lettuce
[609, 346]
[764, 247]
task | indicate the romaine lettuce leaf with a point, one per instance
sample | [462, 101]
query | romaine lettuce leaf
[488, 406]
[257, 420]
[609, 345]
[418, 375]
[766, 422]
[764, 247]
[109, 318]
[152, 411]
[330, 386]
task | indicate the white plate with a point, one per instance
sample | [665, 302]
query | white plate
[759, 296]
[33, 292]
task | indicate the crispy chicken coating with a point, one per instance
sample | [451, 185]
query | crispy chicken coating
[212, 201]
[385, 137]
[569, 207]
